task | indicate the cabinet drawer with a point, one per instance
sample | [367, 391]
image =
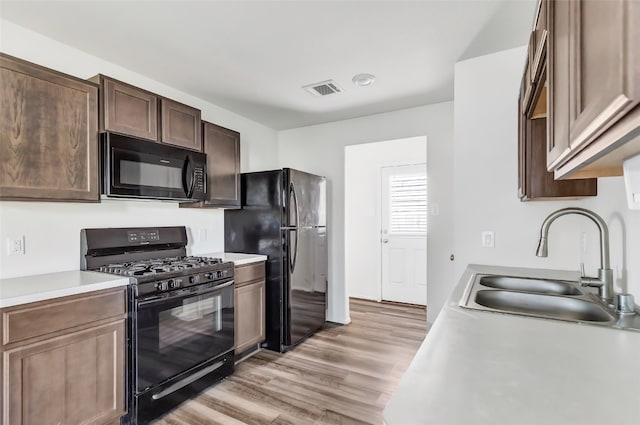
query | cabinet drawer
[42, 318]
[249, 273]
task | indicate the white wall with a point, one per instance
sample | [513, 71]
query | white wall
[485, 180]
[319, 149]
[362, 204]
[52, 230]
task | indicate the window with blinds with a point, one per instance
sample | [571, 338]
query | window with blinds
[408, 203]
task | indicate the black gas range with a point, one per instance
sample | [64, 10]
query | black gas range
[181, 325]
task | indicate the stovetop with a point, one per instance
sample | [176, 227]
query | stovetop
[154, 258]
[161, 266]
[160, 275]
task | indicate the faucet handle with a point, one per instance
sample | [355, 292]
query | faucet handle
[582, 271]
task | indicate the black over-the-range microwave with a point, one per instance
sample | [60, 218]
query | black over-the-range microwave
[135, 168]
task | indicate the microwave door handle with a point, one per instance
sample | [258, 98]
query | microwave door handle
[188, 184]
[192, 185]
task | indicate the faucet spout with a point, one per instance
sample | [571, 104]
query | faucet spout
[604, 281]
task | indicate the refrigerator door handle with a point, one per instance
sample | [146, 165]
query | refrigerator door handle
[294, 257]
[292, 191]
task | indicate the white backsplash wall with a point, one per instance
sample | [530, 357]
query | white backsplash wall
[52, 230]
[486, 178]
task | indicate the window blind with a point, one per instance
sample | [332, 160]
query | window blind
[408, 203]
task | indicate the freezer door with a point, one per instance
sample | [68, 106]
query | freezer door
[307, 282]
[307, 199]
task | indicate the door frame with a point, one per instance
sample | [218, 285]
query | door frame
[390, 164]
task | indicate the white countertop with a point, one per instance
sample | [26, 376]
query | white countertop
[27, 289]
[237, 258]
[477, 367]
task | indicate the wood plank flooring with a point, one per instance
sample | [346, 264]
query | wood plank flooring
[342, 375]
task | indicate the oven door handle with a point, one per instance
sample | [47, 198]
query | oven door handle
[188, 380]
[156, 299]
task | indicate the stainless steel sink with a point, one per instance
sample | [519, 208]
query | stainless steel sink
[543, 298]
[537, 286]
[551, 306]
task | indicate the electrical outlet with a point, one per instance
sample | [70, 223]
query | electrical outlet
[15, 245]
[488, 239]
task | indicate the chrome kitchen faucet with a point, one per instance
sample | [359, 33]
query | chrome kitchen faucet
[604, 281]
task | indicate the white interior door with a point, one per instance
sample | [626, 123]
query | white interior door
[404, 233]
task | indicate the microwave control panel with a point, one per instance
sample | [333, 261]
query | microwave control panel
[199, 177]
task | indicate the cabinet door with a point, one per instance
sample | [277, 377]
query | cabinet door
[74, 379]
[521, 145]
[558, 12]
[48, 134]
[222, 147]
[604, 66]
[129, 110]
[249, 315]
[538, 46]
[181, 125]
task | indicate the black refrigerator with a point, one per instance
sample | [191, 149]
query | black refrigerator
[283, 216]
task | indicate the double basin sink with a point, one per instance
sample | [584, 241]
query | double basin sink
[545, 298]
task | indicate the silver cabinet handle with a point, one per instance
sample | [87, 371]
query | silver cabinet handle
[385, 241]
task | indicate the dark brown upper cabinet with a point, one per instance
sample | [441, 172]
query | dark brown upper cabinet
[48, 134]
[538, 42]
[594, 86]
[132, 111]
[558, 83]
[127, 109]
[535, 182]
[222, 147]
[181, 125]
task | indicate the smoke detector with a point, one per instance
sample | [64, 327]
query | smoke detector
[323, 88]
[364, 80]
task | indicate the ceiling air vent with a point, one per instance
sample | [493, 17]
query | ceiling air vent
[323, 88]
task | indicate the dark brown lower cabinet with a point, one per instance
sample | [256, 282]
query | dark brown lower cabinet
[69, 376]
[249, 306]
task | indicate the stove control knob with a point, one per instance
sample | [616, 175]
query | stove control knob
[220, 274]
[161, 286]
[210, 275]
[171, 283]
[194, 279]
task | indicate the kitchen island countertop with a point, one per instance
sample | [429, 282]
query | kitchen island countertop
[478, 367]
[28, 289]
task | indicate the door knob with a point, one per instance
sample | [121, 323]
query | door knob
[385, 240]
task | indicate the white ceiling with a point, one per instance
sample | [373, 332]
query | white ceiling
[253, 57]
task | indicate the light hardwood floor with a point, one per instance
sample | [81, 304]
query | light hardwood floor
[342, 375]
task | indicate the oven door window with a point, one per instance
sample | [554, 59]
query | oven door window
[177, 334]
